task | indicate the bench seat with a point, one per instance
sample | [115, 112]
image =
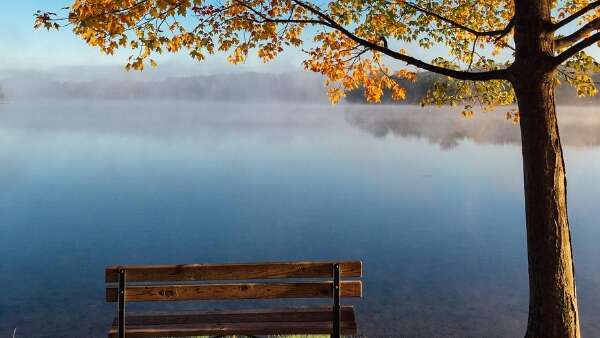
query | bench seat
[309, 320]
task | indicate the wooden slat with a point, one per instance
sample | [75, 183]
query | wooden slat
[302, 314]
[215, 329]
[234, 291]
[239, 271]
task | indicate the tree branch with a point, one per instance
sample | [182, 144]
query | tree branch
[578, 47]
[457, 74]
[475, 32]
[272, 20]
[576, 15]
[506, 30]
[579, 34]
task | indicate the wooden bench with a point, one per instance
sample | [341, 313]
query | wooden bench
[136, 283]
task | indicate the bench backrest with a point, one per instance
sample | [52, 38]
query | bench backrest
[252, 281]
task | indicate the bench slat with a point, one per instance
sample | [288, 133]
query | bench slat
[213, 329]
[302, 314]
[238, 271]
[235, 291]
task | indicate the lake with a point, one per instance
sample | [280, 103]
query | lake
[431, 202]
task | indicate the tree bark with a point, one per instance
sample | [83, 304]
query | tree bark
[553, 309]
[552, 295]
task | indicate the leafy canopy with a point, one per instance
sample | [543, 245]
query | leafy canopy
[353, 43]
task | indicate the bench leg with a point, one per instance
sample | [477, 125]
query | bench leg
[121, 304]
[336, 302]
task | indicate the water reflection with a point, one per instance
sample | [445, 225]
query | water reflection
[579, 126]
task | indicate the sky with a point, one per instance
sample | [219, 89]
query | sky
[24, 48]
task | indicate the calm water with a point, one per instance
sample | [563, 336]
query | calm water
[432, 204]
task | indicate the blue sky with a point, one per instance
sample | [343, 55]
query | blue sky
[23, 48]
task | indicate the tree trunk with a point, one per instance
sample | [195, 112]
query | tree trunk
[552, 297]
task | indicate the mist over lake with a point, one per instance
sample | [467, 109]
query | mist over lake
[431, 202]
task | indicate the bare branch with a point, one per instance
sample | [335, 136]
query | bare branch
[579, 34]
[576, 15]
[578, 47]
[506, 30]
[502, 32]
[272, 20]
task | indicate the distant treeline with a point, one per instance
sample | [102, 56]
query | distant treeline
[565, 94]
[240, 87]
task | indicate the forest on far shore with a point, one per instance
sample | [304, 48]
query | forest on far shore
[565, 94]
[236, 87]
